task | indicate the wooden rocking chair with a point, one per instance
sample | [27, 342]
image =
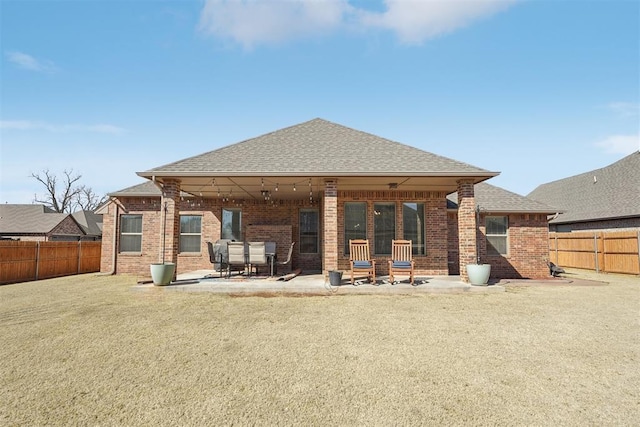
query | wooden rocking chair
[401, 261]
[360, 260]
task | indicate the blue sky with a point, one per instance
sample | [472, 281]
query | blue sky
[537, 90]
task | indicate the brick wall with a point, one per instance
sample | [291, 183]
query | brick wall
[435, 205]
[254, 213]
[527, 247]
[466, 226]
[67, 226]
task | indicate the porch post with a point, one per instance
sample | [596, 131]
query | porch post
[330, 247]
[170, 208]
[466, 226]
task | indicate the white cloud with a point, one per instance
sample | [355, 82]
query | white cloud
[28, 62]
[33, 125]
[254, 22]
[620, 144]
[416, 21]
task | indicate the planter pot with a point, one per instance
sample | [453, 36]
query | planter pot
[162, 273]
[479, 274]
[335, 277]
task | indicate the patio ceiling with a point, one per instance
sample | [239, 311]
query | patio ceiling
[299, 187]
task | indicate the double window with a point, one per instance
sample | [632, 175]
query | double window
[497, 237]
[309, 231]
[131, 233]
[190, 233]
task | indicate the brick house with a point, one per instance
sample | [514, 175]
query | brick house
[320, 184]
[37, 223]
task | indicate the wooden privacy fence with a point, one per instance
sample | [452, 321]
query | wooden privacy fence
[602, 251]
[25, 261]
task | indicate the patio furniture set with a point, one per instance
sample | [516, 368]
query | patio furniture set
[401, 262]
[227, 255]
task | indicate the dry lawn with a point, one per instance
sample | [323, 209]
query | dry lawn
[90, 350]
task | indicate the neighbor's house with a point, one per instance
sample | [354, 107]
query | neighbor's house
[37, 223]
[91, 224]
[602, 199]
[319, 184]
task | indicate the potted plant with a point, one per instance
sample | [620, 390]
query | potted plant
[162, 272]
[478, 273]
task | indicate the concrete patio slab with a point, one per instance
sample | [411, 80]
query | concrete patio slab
[315, 284]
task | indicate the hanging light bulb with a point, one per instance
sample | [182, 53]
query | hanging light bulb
[276, 186]
[294, 186]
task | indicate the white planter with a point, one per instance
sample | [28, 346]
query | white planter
[162, 274]
[479, 274]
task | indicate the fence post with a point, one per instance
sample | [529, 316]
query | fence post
[556, 239]
[595, 248]
[79, 254]
[638, 242]
[37, 259]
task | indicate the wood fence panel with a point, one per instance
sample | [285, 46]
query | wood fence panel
[17, 261]
[58, 259]
[26, 261]
[90, 253]
[611, 252]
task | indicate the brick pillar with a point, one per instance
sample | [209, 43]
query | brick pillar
[171, 211]
[466, 226]
[330, 246]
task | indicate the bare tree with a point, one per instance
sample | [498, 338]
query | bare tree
[67, 195]
[87, 200]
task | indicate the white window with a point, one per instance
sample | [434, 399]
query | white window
[497, 228]
[131, 233]
[190, 233]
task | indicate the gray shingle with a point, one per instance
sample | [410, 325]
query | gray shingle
[495, 199]
[606, 193]
[318, 147]
[28, 219]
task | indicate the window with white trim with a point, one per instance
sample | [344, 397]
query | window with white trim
[131, 233]
[496, 231]
[190, 233]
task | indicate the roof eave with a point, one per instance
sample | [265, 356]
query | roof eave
[156, 174]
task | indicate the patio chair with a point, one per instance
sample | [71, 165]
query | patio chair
[257, 256]
[236, 257]
[288, 260]
[401, 262]
[218, 255]
[360, 260]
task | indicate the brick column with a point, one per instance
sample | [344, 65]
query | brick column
[466, 226]
[330, 246]
[171, 218]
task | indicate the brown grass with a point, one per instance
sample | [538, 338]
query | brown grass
[89, 350]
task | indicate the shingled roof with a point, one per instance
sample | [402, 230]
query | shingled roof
[607, 193]
[317, 148]
[498, 200]
[34, 219]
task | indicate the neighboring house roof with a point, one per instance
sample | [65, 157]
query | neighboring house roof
[31, 219]
[90, 222]
[498, 200]
[607, 193]
[318, 148]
